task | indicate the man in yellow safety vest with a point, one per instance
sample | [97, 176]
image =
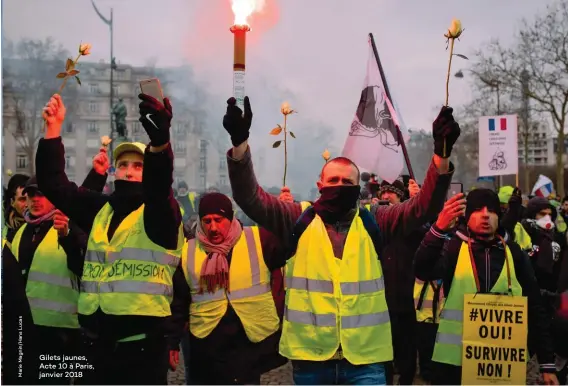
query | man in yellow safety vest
[128, 309]
[336, 326]
[233, 321]
[478, 259]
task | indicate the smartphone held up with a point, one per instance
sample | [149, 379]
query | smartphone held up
[152, 88]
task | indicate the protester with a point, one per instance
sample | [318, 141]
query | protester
[539, 223]
[311, 308]
[49, 251]
[498, 263]
[130, 316]
[234, 324]
[187, 201]
[399, 287]
[564, 209]
[14, 203]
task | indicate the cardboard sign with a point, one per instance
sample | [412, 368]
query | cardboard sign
[495, 329]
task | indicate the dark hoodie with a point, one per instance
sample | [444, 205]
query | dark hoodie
[543, 258]
[437, 258]
[161, 222]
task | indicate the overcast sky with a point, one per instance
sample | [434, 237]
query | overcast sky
[315, 48]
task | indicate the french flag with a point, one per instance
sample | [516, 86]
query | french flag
[502, 124]
[543, 187]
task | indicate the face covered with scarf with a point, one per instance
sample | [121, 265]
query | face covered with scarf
[339, 188]
[217, 233]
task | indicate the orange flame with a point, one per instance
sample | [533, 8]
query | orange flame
[244, 8]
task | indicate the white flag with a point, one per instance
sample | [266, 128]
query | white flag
[373, 142]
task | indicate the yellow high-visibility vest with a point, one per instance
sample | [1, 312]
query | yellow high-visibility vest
[332, 302]
[52, 289]
[448, 348]
[522, 237]
[130, 275]
[305, 205]
[249, 292]
[424, 302]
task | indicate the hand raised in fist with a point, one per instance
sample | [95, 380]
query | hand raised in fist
[445, 131]
[286, 195]
[236, 123]
[413, 188]
[54, 115]
[156, 118]
[61, 223]
[101, 162]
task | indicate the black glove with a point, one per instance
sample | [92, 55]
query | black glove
[237, 124]
[445, 128]
[156, 119]
[516, 202]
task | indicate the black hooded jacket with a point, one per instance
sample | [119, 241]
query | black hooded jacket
[437, 258]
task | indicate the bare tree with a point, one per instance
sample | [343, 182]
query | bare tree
[29, 81]
[540, 55]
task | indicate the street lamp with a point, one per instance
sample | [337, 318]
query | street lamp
[109, 22]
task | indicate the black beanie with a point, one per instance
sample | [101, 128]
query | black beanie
[479, 198]
[216, 203]
[397, 187]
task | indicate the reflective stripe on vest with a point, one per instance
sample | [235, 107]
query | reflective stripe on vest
[424, 302]
[250, 293]
[131, 275]
[52, 289]
[448, 348]
[345, 294]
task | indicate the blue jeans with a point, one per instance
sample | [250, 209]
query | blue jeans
[186, 355]
[338, 372]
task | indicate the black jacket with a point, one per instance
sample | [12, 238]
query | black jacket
[227, 356]
[162, 219]
[437, 258]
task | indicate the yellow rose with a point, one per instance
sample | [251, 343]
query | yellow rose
[9, 172]
[285, 108]
[105, 140]
[325, 155]
[455, 29]
[85, 49]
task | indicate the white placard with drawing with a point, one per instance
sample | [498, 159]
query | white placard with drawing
[498, 146]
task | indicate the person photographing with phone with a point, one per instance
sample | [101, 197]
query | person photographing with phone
[129, 311]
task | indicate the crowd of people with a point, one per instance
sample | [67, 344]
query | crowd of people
[358, 286]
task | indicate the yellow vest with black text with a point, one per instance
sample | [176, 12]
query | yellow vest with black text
[448, 348]
[332, 302]
[52, 289]
[250, 293]
[130, 275]
[425, 313]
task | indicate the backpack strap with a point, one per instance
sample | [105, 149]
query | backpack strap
[372, 229]
[301, 225]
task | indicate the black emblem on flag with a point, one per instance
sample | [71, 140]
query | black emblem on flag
[374, 118]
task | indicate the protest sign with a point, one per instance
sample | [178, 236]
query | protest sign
[498, 147]
[495, 329]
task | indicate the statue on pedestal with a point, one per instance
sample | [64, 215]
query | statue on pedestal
[120, 112]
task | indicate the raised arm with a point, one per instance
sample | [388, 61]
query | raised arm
[97, 177]
[400, 220]
[265, 209]
[162, 216]
[80, 204]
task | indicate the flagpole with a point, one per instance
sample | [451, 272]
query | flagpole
[109, 22]
[400, 138]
